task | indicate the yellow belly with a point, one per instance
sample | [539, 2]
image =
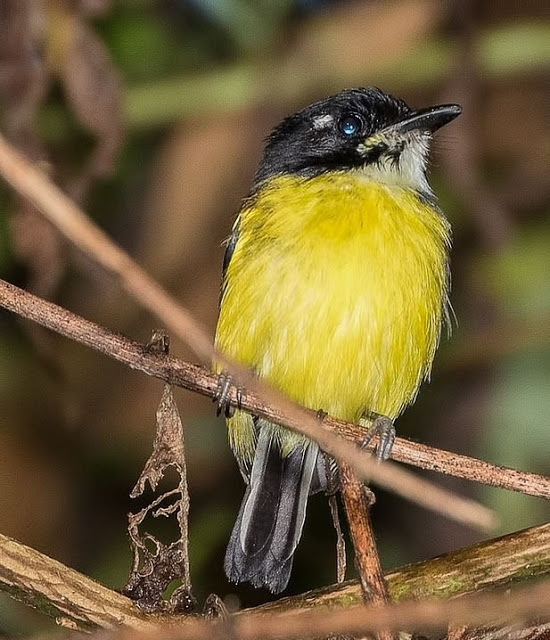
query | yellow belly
[335, 293]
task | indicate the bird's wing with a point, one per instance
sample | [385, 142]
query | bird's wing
[229, 249]
[248, 423]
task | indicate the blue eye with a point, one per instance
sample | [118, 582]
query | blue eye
[350, 125]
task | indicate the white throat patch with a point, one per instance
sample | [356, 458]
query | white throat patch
[406, 168]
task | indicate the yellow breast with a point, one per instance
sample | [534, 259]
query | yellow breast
[336, 291]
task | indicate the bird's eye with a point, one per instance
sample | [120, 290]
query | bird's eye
[350, 124]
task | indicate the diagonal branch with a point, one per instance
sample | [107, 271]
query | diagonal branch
[201, 380]
[82, 232]
[76, 601]
[497, 563]
[71, 598]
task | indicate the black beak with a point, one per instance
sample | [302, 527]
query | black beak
[430, 119]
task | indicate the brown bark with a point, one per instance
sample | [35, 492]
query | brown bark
[367, 561]
[79, 602]
[203, 381]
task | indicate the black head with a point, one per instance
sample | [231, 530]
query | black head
[341, 133]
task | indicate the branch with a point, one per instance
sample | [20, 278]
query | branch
[77, 601]
[477, 610]
[201, 380]
[71, 598]
[357, 500]
[497, 563]
[87, 237]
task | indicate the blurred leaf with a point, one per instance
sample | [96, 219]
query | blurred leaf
[424, 62]
[142, 45]
[517, 432]
[251, 24]
[517, 277]
[92, 86]
[516, 47]
[22, 72]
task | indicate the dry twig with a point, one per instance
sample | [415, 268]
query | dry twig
[66, 216]
[340, 540]
[494, 563]
[427, 615]
[199, 379]
[357, 505]
[77, 601]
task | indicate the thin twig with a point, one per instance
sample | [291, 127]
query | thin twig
[81, 231]
[85, 235]
[203, 381]
[340, 540]
[196, 378]
[368, 564]
[357, 506]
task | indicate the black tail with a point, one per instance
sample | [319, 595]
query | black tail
[272, 514]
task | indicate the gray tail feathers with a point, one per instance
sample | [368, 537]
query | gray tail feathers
[272, 514]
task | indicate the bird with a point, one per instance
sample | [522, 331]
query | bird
[335, 289]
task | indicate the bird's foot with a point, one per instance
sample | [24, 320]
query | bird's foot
[223, 394]
[382, 427]
[331, 466]
[214, 607]
[321, 414]
[369, 495]
[332, 475]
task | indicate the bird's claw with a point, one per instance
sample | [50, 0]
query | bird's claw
[321, 414]
[215, 607]
[332, 474]
[384, 429]
[223, 393]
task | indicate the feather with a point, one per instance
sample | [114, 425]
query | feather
[272, 514]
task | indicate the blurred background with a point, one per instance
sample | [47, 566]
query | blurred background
[152, 113]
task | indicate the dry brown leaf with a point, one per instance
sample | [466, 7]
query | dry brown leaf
[93, 88]
[22, 72]
[156, 564]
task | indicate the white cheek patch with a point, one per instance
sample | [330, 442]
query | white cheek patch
[412, 164]
[323, 122]
[409, 170]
